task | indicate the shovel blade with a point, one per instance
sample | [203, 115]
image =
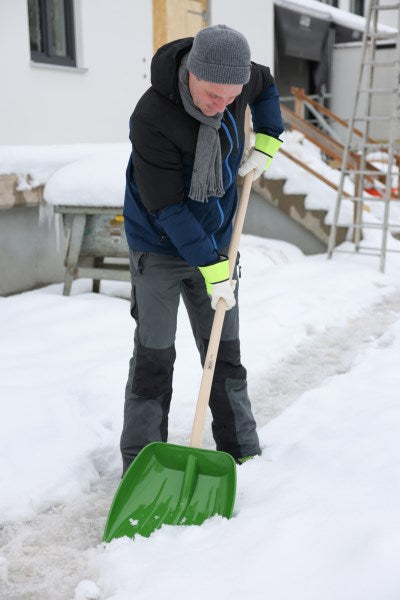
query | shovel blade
[174, 485]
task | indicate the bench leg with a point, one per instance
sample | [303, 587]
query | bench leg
[98, 262]
[73, 251]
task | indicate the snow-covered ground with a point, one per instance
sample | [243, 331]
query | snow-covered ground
[317, 516]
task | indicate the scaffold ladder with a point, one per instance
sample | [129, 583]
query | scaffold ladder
[359, 144]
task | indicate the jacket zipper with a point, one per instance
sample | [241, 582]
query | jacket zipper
[226, 161]
[228, 135]
[234, 127]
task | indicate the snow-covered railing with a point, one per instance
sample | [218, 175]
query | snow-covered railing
[330, 146]
[302, 101]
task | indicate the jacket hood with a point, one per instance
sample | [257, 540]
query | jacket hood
[165, 64]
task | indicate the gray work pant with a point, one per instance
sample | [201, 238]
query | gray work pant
[158, 281]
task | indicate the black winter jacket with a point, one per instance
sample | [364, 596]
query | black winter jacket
[159, 215]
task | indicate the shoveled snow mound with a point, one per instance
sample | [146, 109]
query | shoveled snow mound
[93, 181]
[34, 165]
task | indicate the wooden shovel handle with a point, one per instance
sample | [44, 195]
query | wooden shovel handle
[211, 357]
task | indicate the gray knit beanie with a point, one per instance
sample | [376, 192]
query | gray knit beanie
[221, 55]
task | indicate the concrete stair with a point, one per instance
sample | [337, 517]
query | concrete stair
[293, 205]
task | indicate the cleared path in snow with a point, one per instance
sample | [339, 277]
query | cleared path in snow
[323, 356]
[45, 558]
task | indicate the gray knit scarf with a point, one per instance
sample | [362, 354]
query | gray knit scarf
[207, 168]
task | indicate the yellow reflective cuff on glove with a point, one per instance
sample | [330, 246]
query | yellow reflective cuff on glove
[267, 144]
[215, 273]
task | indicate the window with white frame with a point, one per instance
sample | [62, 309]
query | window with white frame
[51, 31]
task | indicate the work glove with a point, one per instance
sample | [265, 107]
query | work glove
[260, 156]
[218, 283]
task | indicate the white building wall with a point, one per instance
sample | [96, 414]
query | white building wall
[45, 104]
[345, 73]
[254, 19]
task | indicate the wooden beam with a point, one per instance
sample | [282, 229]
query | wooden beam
[316, 136]
[300, 96]
[159, 23]
[174, 19]
[328, 145]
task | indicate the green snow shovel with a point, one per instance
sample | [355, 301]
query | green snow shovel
[181, 485]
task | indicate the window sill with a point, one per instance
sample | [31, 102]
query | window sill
[54, 67]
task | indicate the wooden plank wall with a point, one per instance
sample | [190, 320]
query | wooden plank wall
[174, 19]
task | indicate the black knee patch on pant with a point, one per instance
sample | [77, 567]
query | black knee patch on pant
[153, 371]
[233, 423]
[228, 363]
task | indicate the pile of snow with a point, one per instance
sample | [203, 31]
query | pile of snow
[97, 180]
[34, 165]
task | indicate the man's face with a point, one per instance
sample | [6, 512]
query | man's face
[212, 98]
